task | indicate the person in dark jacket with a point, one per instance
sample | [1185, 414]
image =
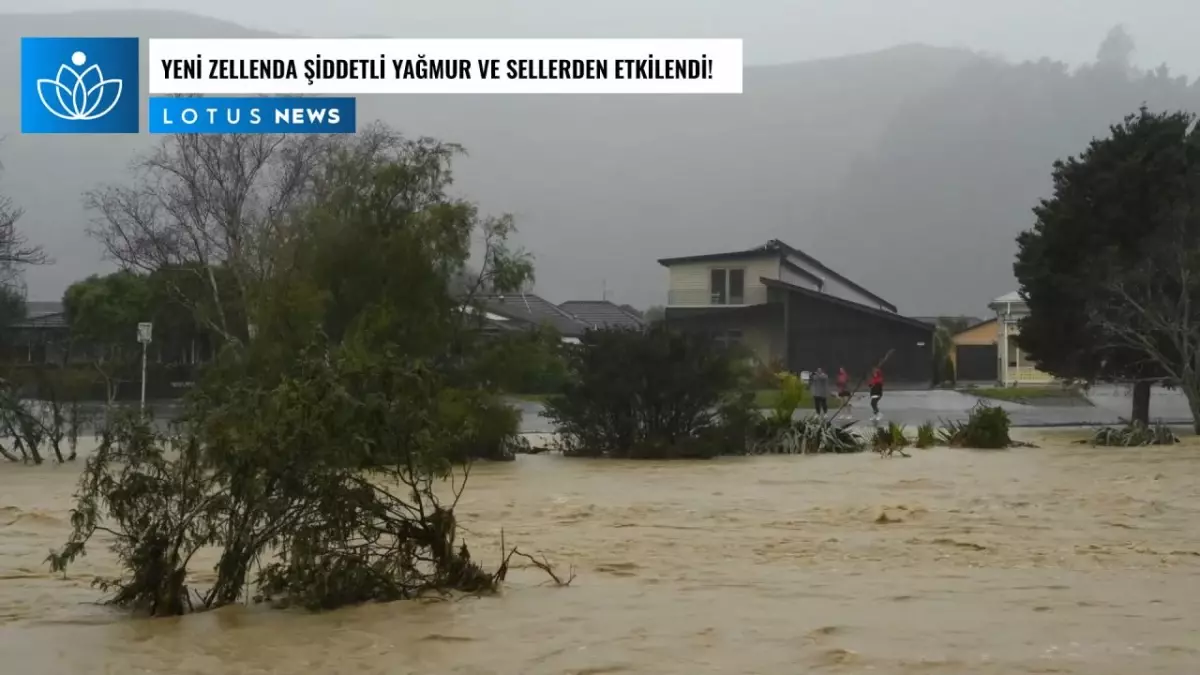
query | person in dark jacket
[876, 384]
[818, 384]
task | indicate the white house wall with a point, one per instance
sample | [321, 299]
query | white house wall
[688, 283]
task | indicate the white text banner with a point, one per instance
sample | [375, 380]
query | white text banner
[317, 66]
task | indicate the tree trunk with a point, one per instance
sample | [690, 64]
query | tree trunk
[1191, 391]
[1141, 402]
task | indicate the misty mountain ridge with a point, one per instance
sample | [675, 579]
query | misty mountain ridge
[910, 170]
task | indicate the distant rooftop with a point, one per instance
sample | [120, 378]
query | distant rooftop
[535, 310]
[602, 314]
[43, 314]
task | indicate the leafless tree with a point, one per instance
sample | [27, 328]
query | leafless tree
[15, 250]
[1153, 308]
[203, 202]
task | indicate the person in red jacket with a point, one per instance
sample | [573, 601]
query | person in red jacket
[876, 384]
[843, 385]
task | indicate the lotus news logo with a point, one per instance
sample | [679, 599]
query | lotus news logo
[81, 96]
[79, 85]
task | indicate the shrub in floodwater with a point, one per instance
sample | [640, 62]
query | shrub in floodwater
[986, 428]
[493, 425]
[326, 477]
[889, 439]
[926, 435]
[648, 394]
[1133, 435]
[811, 435]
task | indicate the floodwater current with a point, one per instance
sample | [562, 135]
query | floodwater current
[1060, 559]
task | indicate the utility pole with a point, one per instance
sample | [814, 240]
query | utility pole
[144, 330]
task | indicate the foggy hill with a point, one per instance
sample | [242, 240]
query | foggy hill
[930, 215]
[601, 186]
[910, 170]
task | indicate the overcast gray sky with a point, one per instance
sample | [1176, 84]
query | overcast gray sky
[774, 30]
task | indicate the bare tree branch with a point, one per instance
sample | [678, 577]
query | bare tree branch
[1147, 309]
[15, 250]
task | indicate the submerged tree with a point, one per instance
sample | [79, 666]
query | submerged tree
[1106, 204]
[1152, 307]
[312, 448]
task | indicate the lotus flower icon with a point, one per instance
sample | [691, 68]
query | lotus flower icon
[79, 96]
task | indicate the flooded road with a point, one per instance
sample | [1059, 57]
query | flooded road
[1063, 559]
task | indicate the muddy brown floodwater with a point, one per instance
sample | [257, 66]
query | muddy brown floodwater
[1063, 559]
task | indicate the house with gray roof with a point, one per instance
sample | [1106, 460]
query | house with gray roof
[42, 336]
[603, 314]
[510, 311]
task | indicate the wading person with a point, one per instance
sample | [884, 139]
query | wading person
[843, 385]
[818, 384]
[876, 392]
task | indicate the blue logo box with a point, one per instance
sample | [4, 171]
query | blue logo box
[80, 85]
[252, 115]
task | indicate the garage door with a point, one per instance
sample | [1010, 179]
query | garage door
[977, 363]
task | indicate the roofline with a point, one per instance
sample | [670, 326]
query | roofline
[975, 325]
[712, 257]
[850, 304]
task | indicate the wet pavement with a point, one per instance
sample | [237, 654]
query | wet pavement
[1110, 406]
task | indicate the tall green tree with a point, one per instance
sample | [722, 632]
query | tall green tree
[102, 315]
[1106, 205]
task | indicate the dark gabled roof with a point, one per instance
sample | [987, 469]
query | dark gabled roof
[766, 250]
[602, 314]
[777, 247]
[867, 309]
[43, 314]
[937, 320]
[534, 310]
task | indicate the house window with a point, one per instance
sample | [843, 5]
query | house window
[737, 287]
[727, 286]
[728, 338]
[719, 287]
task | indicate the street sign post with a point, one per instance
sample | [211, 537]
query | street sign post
[144, 331]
